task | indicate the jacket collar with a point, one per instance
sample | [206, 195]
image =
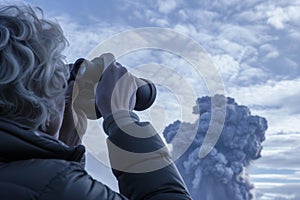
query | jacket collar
[18, 142]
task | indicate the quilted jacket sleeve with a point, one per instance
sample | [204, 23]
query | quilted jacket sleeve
[140, 160]
[74, 183]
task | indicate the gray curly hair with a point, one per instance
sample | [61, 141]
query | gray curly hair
[32, 69]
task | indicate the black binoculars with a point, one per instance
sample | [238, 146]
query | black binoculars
[145, 95]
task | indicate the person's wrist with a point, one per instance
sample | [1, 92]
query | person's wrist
[112, 109]
[102, 108]
[105, 114]
[117, 113]
[118, 119]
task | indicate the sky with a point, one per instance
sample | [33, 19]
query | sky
[254, 45]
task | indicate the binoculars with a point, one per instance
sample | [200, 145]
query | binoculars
[145, 94]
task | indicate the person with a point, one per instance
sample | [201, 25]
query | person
[41, 128]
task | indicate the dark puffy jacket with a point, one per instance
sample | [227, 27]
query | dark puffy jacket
[33, 165]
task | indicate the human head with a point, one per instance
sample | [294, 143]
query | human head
[32, 70]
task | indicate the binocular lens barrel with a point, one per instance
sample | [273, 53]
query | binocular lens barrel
[145, 95]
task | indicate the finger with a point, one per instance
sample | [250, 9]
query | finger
[124, 93]
[132, 91]
[70, 88]
[81, 121]
[112, 75]
[71, 93]
[90, 71]
[107, 59]
[98, 61]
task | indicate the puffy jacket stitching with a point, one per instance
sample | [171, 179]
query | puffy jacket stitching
[21, 186]
[59, 174]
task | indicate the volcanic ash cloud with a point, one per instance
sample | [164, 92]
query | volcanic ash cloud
[222, 173]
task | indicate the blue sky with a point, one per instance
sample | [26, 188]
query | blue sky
[254, 44]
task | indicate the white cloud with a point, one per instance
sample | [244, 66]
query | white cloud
[10, 2]
[279, 192]
[253, 15]
[275, 100]
[268, 51]
[240, 34]
[269, 94]
[203, 16]
[187, 29]
[278, 177]
[166, 6]
[279, 119]
[183, 15]
[249, 75]
[281, 151]
[228, 67]
[160, 22]
[294, 35]
[277, 173]
[279, 17]
[237, 41]
[84, 38]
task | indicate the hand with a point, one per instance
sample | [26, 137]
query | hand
[74, 124]
[116, 89]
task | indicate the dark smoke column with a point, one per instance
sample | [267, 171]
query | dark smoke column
[222, 174]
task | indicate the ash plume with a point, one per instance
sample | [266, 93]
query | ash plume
[222, 174]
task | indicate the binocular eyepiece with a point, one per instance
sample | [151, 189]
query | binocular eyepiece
[145, 94]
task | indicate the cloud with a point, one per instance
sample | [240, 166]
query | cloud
[254, 45]
[11, 2]
[183, 14]
[281, 151]
[279, 192]
[249, 76]
[294, 34]
[222, 173]
[84, 38]
[274, 100]
[240, 34]
[268, 51]
[277, 173]
[228, 67]
[260, 94]
[251, 16]
[278, 177]
[279, 17]
[166, 6]
[277, 101]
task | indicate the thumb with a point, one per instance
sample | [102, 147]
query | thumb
[71, 92]
[108, 59]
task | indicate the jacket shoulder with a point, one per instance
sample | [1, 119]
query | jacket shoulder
[29, 177]
[33, 173]
[52, 179]
[73, 182]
